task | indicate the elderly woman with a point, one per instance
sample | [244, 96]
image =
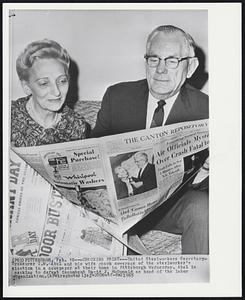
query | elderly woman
[43, 116]
[123, 186]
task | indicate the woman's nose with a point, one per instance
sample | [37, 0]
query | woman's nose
[55, 90]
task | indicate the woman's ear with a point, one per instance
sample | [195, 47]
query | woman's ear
[26, 88]
[192, 66]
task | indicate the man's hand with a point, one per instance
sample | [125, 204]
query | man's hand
[202, 175]
[137, 184]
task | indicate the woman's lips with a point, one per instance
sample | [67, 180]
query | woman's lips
[58, 99]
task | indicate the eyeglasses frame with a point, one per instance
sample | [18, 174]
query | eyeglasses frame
[178, 59]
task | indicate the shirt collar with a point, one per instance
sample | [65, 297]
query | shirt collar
[152, 104]
[168, 101]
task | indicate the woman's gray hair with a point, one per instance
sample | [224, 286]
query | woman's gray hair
[40, 49]
[168, 29]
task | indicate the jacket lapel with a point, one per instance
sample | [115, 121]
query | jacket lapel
[144, 171]
[180, 111]
[141, 106]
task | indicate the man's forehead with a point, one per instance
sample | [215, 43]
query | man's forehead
[139, 156]
[175, 42]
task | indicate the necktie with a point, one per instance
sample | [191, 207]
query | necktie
[158, 114]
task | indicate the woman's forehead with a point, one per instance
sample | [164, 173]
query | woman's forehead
[46, 67]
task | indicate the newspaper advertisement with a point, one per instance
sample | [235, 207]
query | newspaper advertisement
[44, 224]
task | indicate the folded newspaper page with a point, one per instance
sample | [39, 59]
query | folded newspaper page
[45, 224]
[120, 179]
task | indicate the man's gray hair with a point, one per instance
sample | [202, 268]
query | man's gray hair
[141, 154]
[168, 29]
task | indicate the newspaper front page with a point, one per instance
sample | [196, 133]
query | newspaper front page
[45, 224]
[71, 205]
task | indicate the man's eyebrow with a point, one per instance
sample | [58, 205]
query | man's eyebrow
[170, 56]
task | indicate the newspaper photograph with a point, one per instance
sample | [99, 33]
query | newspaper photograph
[108, 149]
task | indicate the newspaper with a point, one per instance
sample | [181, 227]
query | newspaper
[48, 230]
[84, 171]
[69, 217]
[45, 224]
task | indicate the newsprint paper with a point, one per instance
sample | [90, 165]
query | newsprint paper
[69, 218]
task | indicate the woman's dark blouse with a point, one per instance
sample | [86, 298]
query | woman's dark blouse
[27, 132]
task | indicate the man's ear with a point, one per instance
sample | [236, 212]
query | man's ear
[26, 88]
[192, 66]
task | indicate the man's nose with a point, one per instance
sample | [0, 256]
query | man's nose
[55, 90]
[161, 68]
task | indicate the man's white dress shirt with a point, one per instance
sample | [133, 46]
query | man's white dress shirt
[152, 105]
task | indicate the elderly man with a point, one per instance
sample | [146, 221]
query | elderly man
[163, 98]
[146, 179]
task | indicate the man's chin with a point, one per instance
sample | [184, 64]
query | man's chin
[161, 93]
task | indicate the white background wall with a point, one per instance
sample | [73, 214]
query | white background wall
[107, 46]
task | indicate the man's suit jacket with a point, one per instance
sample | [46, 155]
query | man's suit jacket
[148, 177]
[124, 108]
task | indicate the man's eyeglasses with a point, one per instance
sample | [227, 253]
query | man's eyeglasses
[139, 160]
[170, 62]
